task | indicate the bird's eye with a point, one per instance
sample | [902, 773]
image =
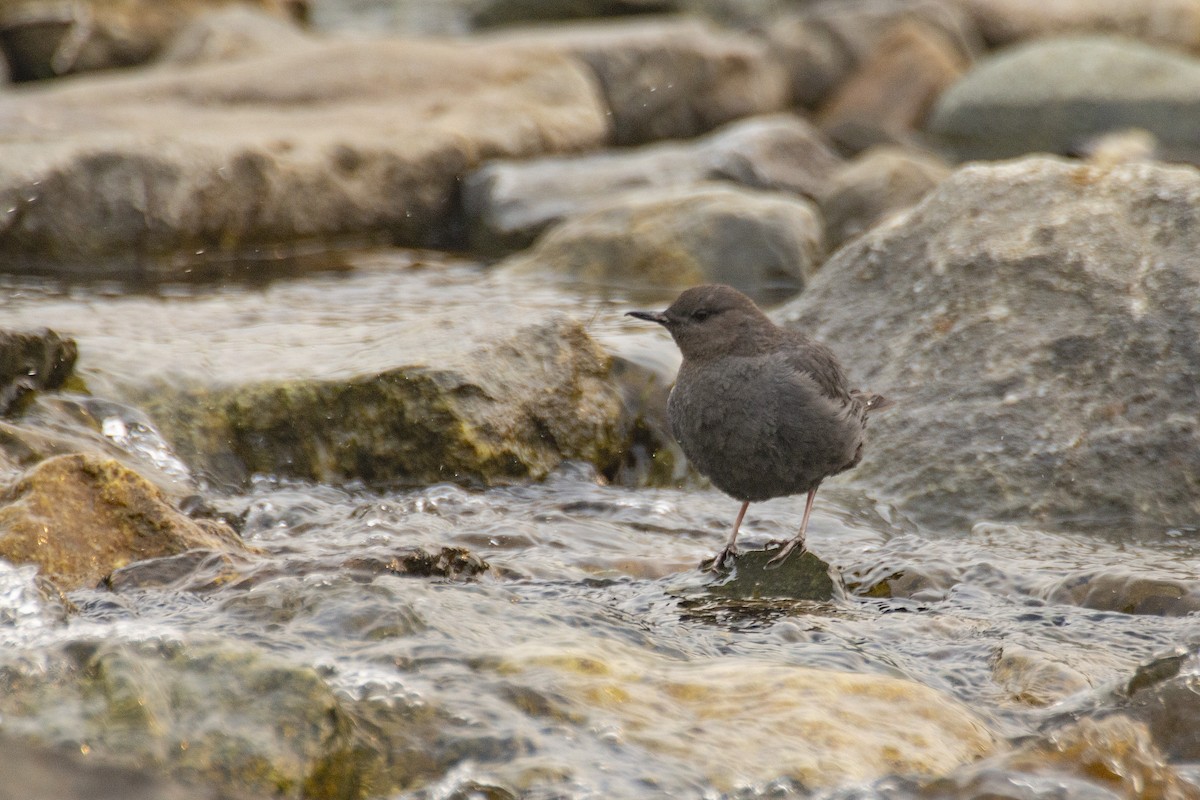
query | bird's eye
[701, 314]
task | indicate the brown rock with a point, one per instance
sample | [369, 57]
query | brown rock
[668, 78]
[79, 517]
[44, 39]
[892, 91]
[823, 44]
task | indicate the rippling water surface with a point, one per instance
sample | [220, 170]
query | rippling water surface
[573, 660]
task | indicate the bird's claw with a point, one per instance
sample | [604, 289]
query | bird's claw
[717, 562]
[786, 551]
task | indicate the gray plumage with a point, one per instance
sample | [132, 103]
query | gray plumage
[762, 411]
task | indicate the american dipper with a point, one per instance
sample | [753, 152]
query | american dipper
[762, 411]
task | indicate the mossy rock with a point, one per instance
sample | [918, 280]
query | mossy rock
[509, 411]
[79, 517]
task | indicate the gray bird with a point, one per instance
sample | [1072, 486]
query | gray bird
[762, 411]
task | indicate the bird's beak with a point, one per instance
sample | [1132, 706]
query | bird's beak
[650, 316]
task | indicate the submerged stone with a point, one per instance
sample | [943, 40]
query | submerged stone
[32, 361]
[802, 576]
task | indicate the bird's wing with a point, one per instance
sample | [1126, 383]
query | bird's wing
[819, 363]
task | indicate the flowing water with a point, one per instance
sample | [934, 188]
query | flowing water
[590, 660]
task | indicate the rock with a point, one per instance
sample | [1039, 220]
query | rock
[1034, 678]
[46, 772]
[1165, 696]
[1032, 320]
[236, 721]
[508, 203]
[667, 78]
[227, 34]
[43, 39]
[493, 13]
[1053, 95]
[1174, 23]
[822, 44]
[874, 187]
[1112, 757]
[680, 237]
[889, 95]
[882, 725]
[799, 577]
[79, 517]
[1127, 593]
[32, 361]
[512, 410]
[171, 169]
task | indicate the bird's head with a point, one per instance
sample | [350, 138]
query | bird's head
[713, 321]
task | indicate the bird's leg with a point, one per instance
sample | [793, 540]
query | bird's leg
[730, 549]
[798, 541]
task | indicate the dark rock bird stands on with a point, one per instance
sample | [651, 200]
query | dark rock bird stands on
[762, 411]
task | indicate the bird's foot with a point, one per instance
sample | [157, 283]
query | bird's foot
[785, 551]
[717, 562]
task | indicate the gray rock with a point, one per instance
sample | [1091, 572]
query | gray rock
[1175, 23]
[675, 238]
[325, 143]
[508, 203]
[1035, 322]
[881, 182]
[1054, 94]
[668, 77]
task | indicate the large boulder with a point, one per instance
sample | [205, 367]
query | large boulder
[1053, 95]
[326, 142]
[677, 238]
[79, 517]
[1035, 321]
[669, 77]
[508, 203]
[510, 410]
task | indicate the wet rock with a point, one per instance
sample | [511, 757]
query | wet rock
[668, 78]
[1052, 95]
[1035, 678]
[1113, 757]
[234, 720]
[512, 410]
[32, 361]
[822, 44]
[798, 577]
[1165, 696]
[682, 237]
[509, 203]
[1175, 23]
[78, 517]
[819, 727]
[889, 96]
[195, 165]
[43, 39]
[44, 772]
[1029, 318]
[1127, 593]
[874, 187]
